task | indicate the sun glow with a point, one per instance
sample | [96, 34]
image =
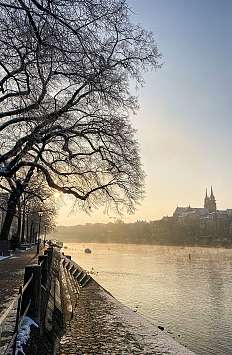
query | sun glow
[56, 194]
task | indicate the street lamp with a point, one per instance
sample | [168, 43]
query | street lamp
[45, 232]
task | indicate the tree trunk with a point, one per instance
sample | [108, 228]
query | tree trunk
[13, 201]
[19, 221]
[27, 232]
[31, 233]
[23, 223]
[11, 210]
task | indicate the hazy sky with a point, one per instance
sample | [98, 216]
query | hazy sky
[184, 123]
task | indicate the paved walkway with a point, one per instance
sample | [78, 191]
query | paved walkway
[12, 273]
[102, 325]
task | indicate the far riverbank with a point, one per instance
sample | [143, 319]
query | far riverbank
[149, 233]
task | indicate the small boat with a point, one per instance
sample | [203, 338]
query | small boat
[88, 251]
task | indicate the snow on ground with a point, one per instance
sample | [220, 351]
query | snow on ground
[24, 334]
[143, 330]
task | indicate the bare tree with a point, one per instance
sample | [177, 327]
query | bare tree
[65, 72]
[36, 197]
[40, 212]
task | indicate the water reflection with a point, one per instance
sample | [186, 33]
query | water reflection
[190, 297]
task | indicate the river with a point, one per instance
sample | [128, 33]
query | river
[188, 291]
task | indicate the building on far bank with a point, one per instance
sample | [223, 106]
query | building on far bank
[208, 219]
[210, 202]
[209, 207]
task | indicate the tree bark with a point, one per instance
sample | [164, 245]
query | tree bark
[19, 226]
[14, 200]
[31, 232]
[11, 210]
[27, 232]
[23, 222]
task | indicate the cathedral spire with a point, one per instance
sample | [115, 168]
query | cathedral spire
[212, 206]
[206, 201]
[210, 201]
[211, 192]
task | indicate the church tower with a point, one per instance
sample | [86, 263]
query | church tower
[210, 202]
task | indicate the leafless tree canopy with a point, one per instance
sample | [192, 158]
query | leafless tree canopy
[65, 69]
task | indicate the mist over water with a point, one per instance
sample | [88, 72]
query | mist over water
[186, 290]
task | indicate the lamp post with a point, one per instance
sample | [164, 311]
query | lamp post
[40, 213]
[45, 232]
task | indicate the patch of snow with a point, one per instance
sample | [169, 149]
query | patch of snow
[24, 334]
[4, 257]
[3, 169]
[23, 249]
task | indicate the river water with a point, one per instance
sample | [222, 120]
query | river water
[188, 291]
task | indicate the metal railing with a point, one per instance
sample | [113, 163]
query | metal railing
[27, 302]
[5, 323]
[19, 315]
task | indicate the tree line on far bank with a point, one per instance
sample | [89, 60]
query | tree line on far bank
[162, 232]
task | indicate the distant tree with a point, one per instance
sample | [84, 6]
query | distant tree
[37, 199]
[40, 217]
[65, 72]
[16, 186]
[36, 196]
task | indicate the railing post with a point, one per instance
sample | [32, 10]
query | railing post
[43, 262]
[75, 273]
[38, 247]
[49, 252]
[19, 305]
[32, 293]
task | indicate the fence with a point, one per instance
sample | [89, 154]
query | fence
[28, 300]
[36, 298]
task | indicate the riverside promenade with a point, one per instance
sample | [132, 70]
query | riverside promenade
[102, 325]
[12, 273]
